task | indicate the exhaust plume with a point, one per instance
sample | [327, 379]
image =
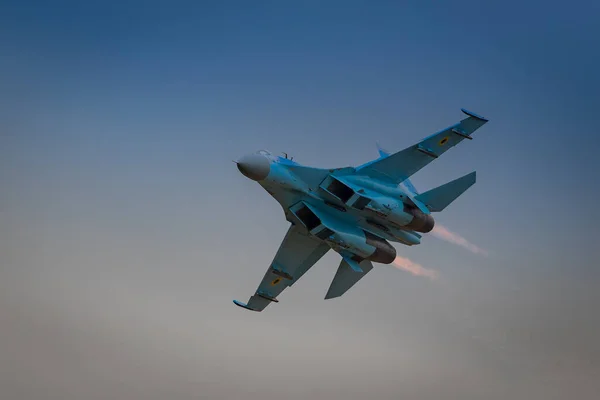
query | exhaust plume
[416, 269]
[444, 233]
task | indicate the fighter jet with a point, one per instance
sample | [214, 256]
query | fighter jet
[356, 211]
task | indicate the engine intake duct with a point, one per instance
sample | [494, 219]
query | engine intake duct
[344, 193]
[340, 190]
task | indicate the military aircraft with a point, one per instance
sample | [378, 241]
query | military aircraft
[356, 211]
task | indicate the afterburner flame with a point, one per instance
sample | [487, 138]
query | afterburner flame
[444, 233]
[416, 269]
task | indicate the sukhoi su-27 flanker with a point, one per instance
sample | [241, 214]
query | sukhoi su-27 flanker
[356, 212]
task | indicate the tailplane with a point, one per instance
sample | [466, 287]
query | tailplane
[439, 198]
[347, 276]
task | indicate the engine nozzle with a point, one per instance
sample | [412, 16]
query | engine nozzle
[384, 252]
[421, 222]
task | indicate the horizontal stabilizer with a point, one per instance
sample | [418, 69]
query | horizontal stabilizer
[439, 198]
[346, 277]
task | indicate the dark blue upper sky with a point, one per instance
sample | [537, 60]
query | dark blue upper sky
[120, 121]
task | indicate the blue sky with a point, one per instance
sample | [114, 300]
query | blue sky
[123, 218]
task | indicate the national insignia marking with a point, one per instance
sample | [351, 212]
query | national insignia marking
[276, 281]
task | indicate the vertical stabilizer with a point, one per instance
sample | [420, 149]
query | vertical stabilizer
[382, 153]
[409, 186]
[406, 184]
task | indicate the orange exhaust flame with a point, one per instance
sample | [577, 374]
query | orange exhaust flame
[444, 233]
[416, 269]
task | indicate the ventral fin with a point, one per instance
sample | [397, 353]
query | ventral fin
[353, 264]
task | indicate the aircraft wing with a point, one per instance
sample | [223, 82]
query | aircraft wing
[297, 253]
[403, 164]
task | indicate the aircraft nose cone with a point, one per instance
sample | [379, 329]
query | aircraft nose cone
[254, 166]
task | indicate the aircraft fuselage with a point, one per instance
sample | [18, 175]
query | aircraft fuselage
[362, 214]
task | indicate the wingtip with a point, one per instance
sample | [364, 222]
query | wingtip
[243, 305]
[472, 114]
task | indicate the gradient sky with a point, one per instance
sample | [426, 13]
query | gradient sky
[126, 230]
